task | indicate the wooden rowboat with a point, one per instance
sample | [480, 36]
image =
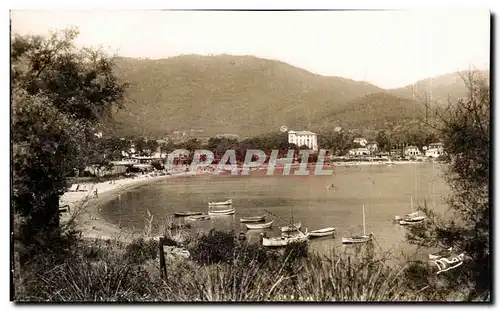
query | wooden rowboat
[252, 219]
[186, 214]
[357, 239]
[322, 232]
[284, 241]
[227, 202]
[260, 226]
[221, 212]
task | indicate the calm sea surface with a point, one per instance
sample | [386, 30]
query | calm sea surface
[384, 191]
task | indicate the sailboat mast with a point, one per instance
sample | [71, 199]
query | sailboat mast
[364, 229]
[411, 198]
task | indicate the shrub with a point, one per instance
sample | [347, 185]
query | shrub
[215, 247]
[140, 250]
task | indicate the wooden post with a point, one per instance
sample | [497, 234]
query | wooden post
[163, 267]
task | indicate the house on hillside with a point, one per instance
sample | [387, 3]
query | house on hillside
[301, 138]
[434, 150]
[372, 147]
[411, 151]
[360, 141]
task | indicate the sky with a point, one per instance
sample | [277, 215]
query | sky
[387, 48]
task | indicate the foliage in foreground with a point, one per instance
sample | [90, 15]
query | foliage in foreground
[116, 271]
[465, 128]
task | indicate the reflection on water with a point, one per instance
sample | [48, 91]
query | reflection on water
[385, 192]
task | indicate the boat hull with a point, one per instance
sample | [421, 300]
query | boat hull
[259, 226]
[356, 240]
[322, 232]
[283, 241]
[186, 214]
[406, 222]
[252, 219]
[228, 202]
[221, 213]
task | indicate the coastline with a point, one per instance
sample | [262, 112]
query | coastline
[92, 225]
[88, 220]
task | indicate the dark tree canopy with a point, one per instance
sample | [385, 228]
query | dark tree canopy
[59, 96]
[465, 130]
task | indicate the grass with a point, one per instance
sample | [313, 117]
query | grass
[113, 270]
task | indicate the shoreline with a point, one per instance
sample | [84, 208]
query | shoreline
[93, 226]
[88, 220]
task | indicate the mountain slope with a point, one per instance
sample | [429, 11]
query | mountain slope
[438, 88]
[374, 111]
[242, 95]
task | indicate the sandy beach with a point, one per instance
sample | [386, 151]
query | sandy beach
[84, 207]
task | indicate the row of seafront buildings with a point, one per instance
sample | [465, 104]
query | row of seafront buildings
[434, 150]
[310, 139]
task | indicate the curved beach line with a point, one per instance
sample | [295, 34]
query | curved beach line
[91, 224]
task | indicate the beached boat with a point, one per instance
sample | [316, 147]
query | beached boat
[445, 264]
[292, 227]
[252, 219]
[186, 214]
[440, 254]
[322, 232]
[227, 202]
[229, 211]
[357, 239]
[199, 217]
[259, 226]
[284, 240]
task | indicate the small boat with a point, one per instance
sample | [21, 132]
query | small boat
[199, 217]
[445, 264]
[322, 232]
[252, 219]
[357, 239]
[227, 202]
[292, 227]
[186, 214]
[221, 212]
[259, 226]
[284, 240]
[412, 221]
[440, 254]
[411, 218]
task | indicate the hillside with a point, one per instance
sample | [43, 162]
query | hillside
[374, 111]
[437, 88]
[241, 95]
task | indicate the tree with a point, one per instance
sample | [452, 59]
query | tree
[465, 128]
[60, 94]
[383, 141]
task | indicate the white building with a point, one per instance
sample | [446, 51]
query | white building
[361, 141]
[412, 151]
[434, 150]
[301, 138]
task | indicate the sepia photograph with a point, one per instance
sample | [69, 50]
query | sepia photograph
[250, 156]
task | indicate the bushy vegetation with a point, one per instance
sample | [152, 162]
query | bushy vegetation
[110, 271]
